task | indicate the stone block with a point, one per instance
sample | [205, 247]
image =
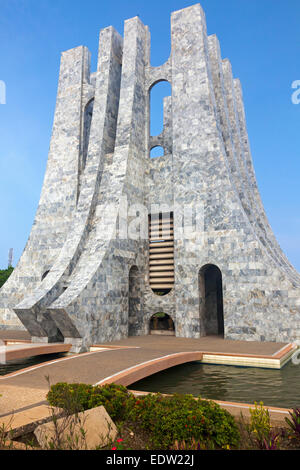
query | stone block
[85, 431]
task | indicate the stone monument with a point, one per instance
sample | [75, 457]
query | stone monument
[119, 236]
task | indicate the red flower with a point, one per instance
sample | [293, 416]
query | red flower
[113, 448]
[119, 440]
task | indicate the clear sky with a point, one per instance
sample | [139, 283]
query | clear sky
[260, 37]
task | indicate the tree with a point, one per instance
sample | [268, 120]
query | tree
[4, 274]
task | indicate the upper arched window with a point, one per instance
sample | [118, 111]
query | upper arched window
[157, 151]
[88, 114]
[157, 94]
[45, 274]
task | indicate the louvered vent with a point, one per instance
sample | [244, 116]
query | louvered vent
[161, 253]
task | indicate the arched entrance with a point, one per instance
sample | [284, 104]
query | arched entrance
[161, 324]
[211, 301]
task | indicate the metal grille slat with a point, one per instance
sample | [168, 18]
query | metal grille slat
[161, 253]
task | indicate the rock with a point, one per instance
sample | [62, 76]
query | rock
[87, 430]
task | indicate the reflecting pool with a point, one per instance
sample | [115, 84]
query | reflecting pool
[229, 383]
[14, 366]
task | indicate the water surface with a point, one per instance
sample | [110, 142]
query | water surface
[13, 366]
[229, 383]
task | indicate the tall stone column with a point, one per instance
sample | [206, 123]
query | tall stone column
[59, 192]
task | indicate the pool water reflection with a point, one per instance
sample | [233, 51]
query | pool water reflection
[28, 362]
[229, 383]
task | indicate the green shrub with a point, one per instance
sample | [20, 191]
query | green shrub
[293, 422]
[184, 418]
[80, 397]
[4, 275]
[180, 418]
[70, 397]
[115, 398]
[260, 424]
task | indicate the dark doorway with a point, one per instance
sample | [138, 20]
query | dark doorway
[161, 323]
[211, 301]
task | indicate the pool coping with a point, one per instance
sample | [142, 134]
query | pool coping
[276, 361]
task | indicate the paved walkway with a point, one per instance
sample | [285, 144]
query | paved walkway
[206, 343]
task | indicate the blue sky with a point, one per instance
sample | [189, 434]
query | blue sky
[260, 37]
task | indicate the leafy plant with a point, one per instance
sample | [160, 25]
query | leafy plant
[80, 397]
[260, 422]
[260, 432]
[183, 418]
[6, 434]
[115, 399]
[180, 418]
[159, 315]
[192, 445]
[72, 398]
[294, 422]
[4, 275]
[271, 442]
[119, 445]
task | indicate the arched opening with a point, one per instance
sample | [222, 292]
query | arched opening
[45, 274]
[157, 151]
[158, 92]
[88, 114]
[161, 324]
[211, 301]
[134, 302]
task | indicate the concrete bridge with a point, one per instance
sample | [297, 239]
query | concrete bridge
[129, 360]
[12, 351]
